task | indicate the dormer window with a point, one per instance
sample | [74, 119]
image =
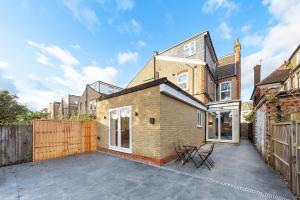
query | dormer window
[182, 81]
[189, 49]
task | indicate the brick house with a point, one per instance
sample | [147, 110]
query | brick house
[68, 106]
[87, 101]
[185, 92]
[53, 110]
[283, 85]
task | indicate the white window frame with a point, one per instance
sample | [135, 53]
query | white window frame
[199, 118]
[119, 147]
[220, 92]
[189, 49]
[298, 58]
[180, 82]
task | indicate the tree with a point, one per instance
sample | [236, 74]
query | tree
[10, 110]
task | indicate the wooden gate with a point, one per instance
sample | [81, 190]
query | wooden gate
[281, 149]
[285, 152]
[59, 138]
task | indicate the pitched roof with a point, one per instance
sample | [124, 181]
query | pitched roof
[226, 66]
[277, 76]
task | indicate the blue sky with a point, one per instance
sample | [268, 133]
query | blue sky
[51, 48]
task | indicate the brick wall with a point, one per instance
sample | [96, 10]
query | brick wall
[179, 123]
[145, 138]
[196, 77]
[154, 141]
[234, 87]
[88, 95]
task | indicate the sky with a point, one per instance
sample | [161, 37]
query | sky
[52, 48]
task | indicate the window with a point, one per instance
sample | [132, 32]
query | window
[92, 105]
[182, 81]
[199, 118]
[298, 58]
[189, 49]
[225, 90]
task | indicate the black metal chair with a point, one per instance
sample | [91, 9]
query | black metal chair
[183, 153]
[204, 157]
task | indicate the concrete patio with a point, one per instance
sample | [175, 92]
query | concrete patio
[239, 173]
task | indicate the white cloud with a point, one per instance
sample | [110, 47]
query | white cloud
[130, 27]
[252, 40]
[3, 64]
[75, 46]
[125, 4]
[211, 6]
[277, 44]
[127, 57]
[84, 14]
[224, 30]
[76, 80]
[141, 43]
[246, 28]
[62, 55]
[34, 77]
[42, 59]
[7, 83]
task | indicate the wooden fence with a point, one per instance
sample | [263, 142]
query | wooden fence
[285, 152]
[15, 144]
[58, 138]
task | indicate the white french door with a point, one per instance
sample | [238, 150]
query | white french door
[220, 125]
[120, 129]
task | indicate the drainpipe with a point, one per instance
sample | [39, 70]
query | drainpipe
[154, 64]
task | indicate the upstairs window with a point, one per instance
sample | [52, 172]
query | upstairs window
[189, 49]
[182, 81]
[225, 90]
[298, 58]
[199, 118]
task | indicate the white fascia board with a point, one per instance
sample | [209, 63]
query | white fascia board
[182, 60]
[232, 105]
[165, 89]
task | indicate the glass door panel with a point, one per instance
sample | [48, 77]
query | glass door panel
[114, 128]
[213, 125]
[226, 125]
[120, 129]
[125, 126]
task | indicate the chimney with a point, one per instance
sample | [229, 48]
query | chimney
[256, 74]
[237, 56]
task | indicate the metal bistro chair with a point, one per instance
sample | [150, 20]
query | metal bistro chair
[184, 154]
[204, 157]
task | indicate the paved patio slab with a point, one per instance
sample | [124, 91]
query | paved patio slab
[239, 174]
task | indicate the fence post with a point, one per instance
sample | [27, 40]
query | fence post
[271, 163]
[293, 171]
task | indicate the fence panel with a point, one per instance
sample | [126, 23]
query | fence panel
[296, 145]
[15, 144]
[59, 138]
[281, 149]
